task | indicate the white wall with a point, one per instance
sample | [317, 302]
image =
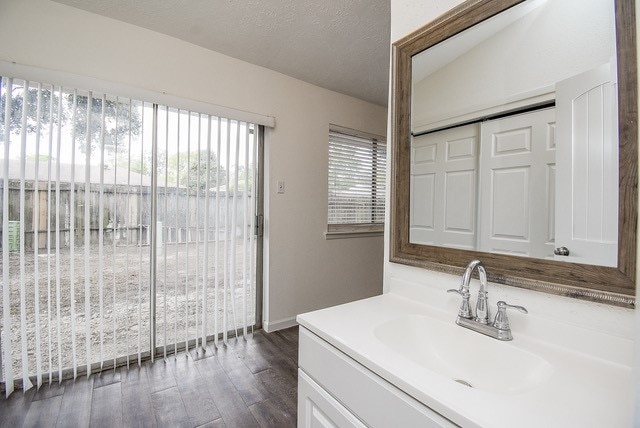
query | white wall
[303, 271]
[572, 36]
[406, 16]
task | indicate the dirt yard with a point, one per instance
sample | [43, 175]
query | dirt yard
[119, 301]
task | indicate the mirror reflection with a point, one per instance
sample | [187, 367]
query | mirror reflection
[514, 145]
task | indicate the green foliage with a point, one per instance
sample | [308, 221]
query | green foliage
[41, 158]
[242, 181]
[193, 167]
[116, 127]
[141, 167]
[17, 105]
[57, 109]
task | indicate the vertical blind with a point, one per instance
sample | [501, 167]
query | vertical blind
[357, 168]
[117, 213]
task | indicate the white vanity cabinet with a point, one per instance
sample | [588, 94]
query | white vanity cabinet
[336, 391]
[318, 409]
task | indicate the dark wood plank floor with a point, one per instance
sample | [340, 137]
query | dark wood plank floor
[251, 382]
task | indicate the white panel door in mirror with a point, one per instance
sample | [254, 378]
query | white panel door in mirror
[443, 188]
[588, 167]
[517, 165]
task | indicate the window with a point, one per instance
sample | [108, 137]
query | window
[357, 169]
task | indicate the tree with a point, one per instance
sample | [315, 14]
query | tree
[62, 114]
[142, 167]
[17, 103]
[242, 179]
[197, 176]
[40, 158]
[117, 123]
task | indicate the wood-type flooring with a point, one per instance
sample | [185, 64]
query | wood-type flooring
[250, 382]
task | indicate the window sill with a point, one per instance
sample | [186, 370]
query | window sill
[352, 234]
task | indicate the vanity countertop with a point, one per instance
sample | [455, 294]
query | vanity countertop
[578, 388]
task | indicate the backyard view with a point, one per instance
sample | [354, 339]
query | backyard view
[78, 227]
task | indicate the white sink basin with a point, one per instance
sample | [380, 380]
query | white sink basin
[465, 356]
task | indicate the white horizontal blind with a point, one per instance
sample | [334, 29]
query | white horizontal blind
[357, 166]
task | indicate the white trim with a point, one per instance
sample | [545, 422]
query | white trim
[353, 234]
[342, 231]
[355, 133]
[270, 327]
[69, 80]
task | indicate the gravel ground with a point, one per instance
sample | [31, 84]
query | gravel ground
[123, 277]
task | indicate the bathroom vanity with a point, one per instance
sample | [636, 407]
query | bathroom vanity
[335, 390]
[397, 361]
[400, 359]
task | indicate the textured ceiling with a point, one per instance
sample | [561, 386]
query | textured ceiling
[341, 45]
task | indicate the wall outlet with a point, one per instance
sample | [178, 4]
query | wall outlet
[281, 187]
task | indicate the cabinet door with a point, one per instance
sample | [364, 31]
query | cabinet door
[587, 199]
[318, 409]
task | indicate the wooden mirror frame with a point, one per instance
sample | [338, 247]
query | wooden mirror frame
[596, 283]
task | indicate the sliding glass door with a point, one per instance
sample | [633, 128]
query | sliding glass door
[206, 246]
[127, 227]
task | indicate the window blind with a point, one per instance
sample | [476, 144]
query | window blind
[357, 169]
[108, 205]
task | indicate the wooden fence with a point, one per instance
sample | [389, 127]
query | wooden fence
[126, 214]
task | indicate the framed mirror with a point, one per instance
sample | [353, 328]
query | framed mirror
[515, 141]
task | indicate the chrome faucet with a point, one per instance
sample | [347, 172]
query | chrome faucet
[499, 329]
[482, 312]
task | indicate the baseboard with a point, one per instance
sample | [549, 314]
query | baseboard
[270, 327]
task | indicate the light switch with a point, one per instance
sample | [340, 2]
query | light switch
[281, 187]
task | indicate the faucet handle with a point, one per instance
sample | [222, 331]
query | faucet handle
[522, 309]
[465, 308]
[461, 291]
[501, 320]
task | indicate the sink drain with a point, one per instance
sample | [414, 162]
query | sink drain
[464, 382]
